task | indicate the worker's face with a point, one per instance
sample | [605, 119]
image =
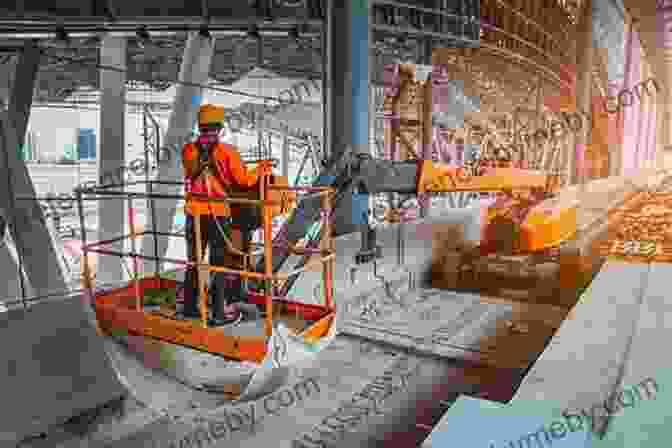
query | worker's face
[210, 134]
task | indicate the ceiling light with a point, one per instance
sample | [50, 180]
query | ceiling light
[253, 33]
[204, 32]
[294, 33]
[236, 33]
[62, 35]
[273, 33]
[143, 34]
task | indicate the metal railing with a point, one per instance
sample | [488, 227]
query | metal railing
[325, 255]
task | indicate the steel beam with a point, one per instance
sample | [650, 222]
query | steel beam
[194, 72]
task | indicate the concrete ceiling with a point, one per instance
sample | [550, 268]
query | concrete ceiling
[70, 65]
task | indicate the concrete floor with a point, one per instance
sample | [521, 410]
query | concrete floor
[341, 371]
[409, 331]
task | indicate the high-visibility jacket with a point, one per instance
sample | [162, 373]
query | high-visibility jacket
[227, 169]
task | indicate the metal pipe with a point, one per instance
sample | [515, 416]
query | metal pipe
[131, 222]
[85, 250]
[328, 262]
[143, 257]
[303, 163]
[150, 189]
[107, 242]
[268, 253]
[317, 191]
[303, 268]
[82, 27]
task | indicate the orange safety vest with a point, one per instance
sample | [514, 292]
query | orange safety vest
[227, 170]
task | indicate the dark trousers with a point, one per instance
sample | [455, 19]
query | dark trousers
[224, 288]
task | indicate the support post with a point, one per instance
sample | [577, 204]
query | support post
[584, 84]
[663, 116]
[616, 149]
[348, 43]
[194, 72]
[36, 248]
[348, 125]
[112, 157]
[285, 155]
[427, 128]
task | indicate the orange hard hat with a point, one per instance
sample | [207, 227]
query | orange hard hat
[210, 114]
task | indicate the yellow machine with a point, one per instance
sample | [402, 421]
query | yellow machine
[543, 226]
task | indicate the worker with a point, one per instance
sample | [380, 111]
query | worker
[214, 168]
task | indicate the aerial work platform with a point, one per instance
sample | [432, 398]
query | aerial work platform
[301, 329]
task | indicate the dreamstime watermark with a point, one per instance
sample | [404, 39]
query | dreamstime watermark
[619, 101]
[211, 430]
[571, 123]
[287, 97]
[331, 430]
[558, 430]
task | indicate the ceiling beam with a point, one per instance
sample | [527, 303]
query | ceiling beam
[644, 14]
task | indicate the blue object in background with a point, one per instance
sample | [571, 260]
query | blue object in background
[180, 219]
[360, 208]
[485, 424]
[86, 144]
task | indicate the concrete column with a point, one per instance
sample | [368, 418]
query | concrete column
[194, 70]
[615, 150]
[348, 42]
[650, 121]
[583, 88]
[37, 250]
[112, 157]
[664, 115]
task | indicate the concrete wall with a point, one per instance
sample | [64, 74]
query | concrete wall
[54, 366]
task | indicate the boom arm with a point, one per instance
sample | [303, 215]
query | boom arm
[346, 174]
[350, 173]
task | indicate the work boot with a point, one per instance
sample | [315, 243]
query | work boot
[189, 314]
[230, 315]
[223, 311]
